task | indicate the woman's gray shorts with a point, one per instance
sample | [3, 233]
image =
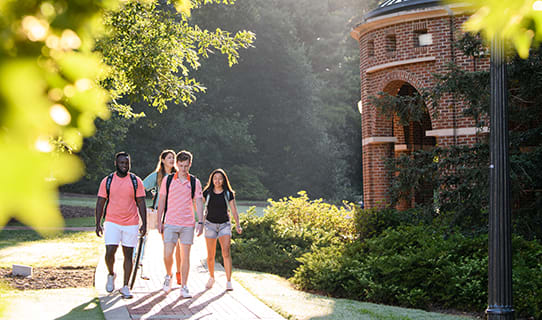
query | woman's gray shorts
[217, 230]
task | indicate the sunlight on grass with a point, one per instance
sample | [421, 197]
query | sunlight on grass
[78, 202]
[279, 294]
[77, 303]
[80, 222]
[68, 249]
[63, 249]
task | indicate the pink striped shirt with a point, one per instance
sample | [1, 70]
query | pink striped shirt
[180, 208]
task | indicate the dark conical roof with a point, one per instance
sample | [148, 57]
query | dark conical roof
[392, 6]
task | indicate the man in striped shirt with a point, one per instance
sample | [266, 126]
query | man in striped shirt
[177, 205]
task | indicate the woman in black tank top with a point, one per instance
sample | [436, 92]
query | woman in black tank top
[218, 196]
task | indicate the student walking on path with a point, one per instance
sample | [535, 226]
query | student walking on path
[120, 197]
[179, 194]
[166, 166]
[219, 197]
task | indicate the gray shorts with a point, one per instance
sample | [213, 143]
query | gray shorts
[173, 233]
[217, 230]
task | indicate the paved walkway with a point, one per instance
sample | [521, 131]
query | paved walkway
[150, 302]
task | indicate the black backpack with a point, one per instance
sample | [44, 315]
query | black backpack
[168, 183]
[108, 188]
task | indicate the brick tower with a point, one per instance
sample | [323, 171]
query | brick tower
[402, 44]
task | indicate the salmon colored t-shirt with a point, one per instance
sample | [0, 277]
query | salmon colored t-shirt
[180, 210]
[122, 208]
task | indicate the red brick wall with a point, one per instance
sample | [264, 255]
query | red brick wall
[449, 114]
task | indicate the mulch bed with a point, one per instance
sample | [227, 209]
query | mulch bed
[51, 278]
[76, 212]
[55, 277]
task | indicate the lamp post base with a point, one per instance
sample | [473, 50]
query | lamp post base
[495, 312]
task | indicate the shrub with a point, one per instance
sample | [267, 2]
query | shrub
[262, 247]
[290, 228]
[327, 224]
[371, 222]
[422, 267]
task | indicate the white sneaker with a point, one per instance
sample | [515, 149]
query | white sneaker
[125, 292]
[110, 285]
[229, 286]
[167, 284]
[185, 293]
[210, 283]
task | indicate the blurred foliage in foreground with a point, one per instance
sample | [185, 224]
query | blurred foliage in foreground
[54, 84]
[518, 21]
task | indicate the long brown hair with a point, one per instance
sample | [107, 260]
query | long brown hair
[160, 169]
[226, 185]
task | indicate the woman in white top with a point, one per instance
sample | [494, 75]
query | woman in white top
[166, 166]
[218, 196]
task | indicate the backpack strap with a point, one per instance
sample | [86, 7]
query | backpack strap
[108, 189]
[168, 183]
[156, 193]
[134, 184]
[192, 185]
[227, 198]
[206, 210]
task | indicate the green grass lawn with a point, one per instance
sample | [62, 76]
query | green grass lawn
[63, 249]
[279, 294]
[65, 304]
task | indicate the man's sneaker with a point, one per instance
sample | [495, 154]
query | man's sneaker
[185, 293]
[210, 283]
[178, 276]
[167, 284]
[125, 292]
[229, 286]
[110, 285]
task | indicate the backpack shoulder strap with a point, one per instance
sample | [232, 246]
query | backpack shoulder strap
[227, 199]
[108, 183]
[205, 209]
[192, 185]
[168, 183]
[134, 184]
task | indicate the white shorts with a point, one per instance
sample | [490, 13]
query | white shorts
[116, 233]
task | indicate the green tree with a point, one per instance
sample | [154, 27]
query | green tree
[152, 49]
[300, 85]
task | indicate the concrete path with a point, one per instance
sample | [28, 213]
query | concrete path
[150, 302]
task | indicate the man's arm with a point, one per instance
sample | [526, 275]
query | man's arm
[100, 203]
[142, 214]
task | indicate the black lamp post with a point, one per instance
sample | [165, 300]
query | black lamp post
[500, 230]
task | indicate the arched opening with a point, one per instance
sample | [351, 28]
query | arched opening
[409, 122]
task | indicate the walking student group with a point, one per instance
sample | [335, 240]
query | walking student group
[183, 208]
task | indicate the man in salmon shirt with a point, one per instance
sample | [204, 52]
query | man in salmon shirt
[177, 204]
[124, 201]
